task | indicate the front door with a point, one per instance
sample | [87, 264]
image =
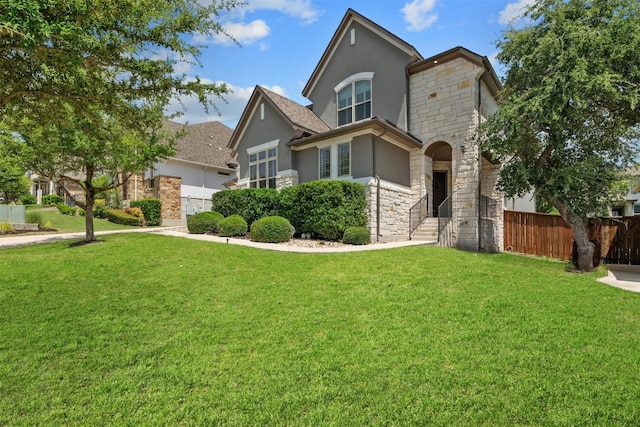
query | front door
[439, 190]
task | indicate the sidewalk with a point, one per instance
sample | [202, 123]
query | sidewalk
[623, 276]
[22, 240]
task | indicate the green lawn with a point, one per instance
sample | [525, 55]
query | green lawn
[72, 224]
[154, 330]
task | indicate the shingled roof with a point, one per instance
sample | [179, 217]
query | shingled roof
[204, 143]
[301, 117]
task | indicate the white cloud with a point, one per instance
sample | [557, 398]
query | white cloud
[512, 12]
[419, 14]
[229, 112]
[244, 34]
[302, 9]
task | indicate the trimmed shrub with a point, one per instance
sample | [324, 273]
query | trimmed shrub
[51, 200]
[204, 222]
[28, 199]
[80, 212]
[118, 216]
[151, 208]
[328, 208]
[6, 228]
[137, 212]
[66, 210]
[233, 225]
[250, 203]
[99, 209]
[356, 236]
[271, 229]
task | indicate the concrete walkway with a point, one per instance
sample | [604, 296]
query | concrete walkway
[22, 240]
[623, 276]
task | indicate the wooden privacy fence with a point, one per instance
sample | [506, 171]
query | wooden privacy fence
[548, 235]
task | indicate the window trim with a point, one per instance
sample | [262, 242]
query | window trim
[351, 81]
[334, 157]
[266, 160]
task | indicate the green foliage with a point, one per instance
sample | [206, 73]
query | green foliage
[204, 222]
[34, 218]
[28, 199]
[51, 200]
[356, 236]
[569, 109]
[271, 229]
[328, 208]
[137, 212]
[99, 210]
[66, 210]
[6, 228]
[233, 225]
[250, 203]
[151, 208]
[81, 212]
[118, 216]
[13, 182]
[87, 84]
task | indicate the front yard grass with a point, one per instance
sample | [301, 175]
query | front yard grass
[75, 223]
[154, 330]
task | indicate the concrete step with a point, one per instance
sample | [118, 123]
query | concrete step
[428, 230]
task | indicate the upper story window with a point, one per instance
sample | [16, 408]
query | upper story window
[263, 165]
[354, 98]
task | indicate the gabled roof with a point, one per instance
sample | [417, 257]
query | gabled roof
[302, 120]
[203, 143]
[490, 77]
[376, 126]
[349, 17]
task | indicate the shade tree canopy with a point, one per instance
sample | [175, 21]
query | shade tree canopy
[569, 116]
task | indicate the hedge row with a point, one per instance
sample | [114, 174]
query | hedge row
[119, 216]
[151, 208]
[323, 208]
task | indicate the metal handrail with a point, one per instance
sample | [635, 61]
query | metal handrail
[444, 214]
[418, 213]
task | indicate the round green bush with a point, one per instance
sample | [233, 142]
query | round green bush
[204, 222]
[271, 229]
[233, 225]
[356, 236]
[28, 199]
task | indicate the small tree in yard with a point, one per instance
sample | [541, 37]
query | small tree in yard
[13, 182]
[568, 123]
[84, 84]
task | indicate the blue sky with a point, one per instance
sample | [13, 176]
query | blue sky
[281, 41]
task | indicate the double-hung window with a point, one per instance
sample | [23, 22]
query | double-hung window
[263, 168]
[335, 161]
[354, 98]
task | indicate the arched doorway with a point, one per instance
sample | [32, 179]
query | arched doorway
[439, 156]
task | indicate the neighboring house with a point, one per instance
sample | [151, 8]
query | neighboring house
[185, 182]
[384, 116]
[630, 206]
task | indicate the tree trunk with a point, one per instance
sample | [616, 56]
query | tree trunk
[584, 246]
[88, 217]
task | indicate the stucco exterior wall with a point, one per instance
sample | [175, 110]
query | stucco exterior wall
[388, 85]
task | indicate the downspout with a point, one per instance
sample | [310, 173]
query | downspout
[373, 161]
[479, 104]
[204, 170]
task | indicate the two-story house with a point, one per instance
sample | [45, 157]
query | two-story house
[382, 115]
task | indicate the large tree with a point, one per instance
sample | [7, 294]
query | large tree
[569, 115]
[82, 79]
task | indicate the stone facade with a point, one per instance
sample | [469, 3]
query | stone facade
[395, 203]
[167, 189]
[447, 102]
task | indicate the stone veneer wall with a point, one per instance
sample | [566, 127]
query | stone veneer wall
[395, 203]
[443, 107]
[168, 190]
